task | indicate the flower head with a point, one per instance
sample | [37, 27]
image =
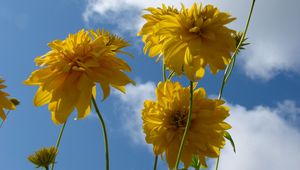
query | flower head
[192, 39]
[153, 42]
[164, 122]
[43, 157]
[69, 72]
[5, 103]
[238, 37]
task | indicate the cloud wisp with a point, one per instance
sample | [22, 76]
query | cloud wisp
[265, 137]
[131, 105]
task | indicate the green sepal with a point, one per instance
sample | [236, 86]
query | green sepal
[228, 137]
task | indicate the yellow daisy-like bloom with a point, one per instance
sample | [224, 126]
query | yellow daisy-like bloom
[71, 68]
[153, 42]
[44, 157]
[194, 38]
[164, 122]
[5, 103]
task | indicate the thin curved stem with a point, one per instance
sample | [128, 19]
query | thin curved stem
[104, 132]
[155, 162]
[241, 41]
[223, 84]
[187, 126]
[230, 67]
[217, 164]
[58, 142]
[164, 72]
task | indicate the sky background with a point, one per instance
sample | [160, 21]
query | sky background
[263, 92]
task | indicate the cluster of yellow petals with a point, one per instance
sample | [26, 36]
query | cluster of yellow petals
[189, 39]
[5, 103]
[164, 121]
[150, 38]
[69, 72]
[44, 157]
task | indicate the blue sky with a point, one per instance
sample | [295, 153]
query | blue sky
[263, 92]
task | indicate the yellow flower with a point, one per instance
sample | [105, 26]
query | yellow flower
[194, 38]
[5, 103]
[43, 157]
[153, 42]
[70, 70]
[164, 122]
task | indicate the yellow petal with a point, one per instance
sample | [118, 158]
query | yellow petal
[121, 88]
[171, 154]
[84, 103]
[2, 114]
[42, 97]
[105, 90]
[62, 111]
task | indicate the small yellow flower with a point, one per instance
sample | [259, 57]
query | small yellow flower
[5, 103]
[164, 122]
[70, 70]
[192, 39]
[43, 157]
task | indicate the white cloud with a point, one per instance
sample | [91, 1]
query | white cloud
[268, 59]
[263, 139]
[273, 30]
[266, 138]
[289, 111]
[131, 105]
[274, 37]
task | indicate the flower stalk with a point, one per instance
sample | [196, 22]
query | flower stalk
[188, 123]
[104, 132]
[58, 142]
[155, 162]
[164, 72]
[230, 67]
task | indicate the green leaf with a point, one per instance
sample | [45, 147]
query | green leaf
[228, 137]
[195, 162]
[238, 37]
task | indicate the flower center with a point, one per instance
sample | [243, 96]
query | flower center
[195, 29]
[76, 65]
[179, 120]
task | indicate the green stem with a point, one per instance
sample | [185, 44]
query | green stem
[171, 75]
[223, 84]
[241, 41]
[47, 168]
[230, 67]
[217, 164]
[6, 117]
[164, 72]
[188, 123]
[155, 162]
[58, 142]
[104, 132]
